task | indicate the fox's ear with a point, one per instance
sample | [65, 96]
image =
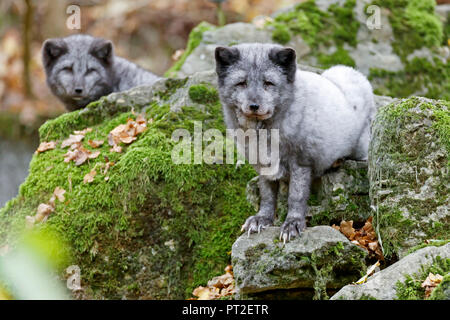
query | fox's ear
[103, 50]
[286, 59]
[52, 49]
[224, 58]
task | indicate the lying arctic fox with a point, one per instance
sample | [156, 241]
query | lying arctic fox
[320, 118]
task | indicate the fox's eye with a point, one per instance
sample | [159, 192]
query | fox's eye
[241, 84]
[268, 84]
[90, 71]
[68, 69]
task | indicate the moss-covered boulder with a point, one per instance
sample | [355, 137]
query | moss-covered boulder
[400, 44]
[403, 279]
[148, 228]
[409, 173]
[322, 258]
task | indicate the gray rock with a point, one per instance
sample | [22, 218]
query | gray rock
[321, 258]
[202, 58]
[408, 174]
[381, 285]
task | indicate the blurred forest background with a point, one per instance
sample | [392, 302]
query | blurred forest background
[147, 32]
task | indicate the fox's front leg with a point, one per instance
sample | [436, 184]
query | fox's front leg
[299, 189]
[264, 218]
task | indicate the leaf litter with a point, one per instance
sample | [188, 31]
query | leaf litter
[217, 287]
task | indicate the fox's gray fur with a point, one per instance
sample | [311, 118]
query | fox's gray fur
[81, 69]
[320, 118]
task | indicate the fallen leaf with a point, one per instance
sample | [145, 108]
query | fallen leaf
[29, 222]
[364, 237]
[116, 148]
[202, 293]
[431, 282]
[59, 193]
[71, 140]
[94, 155]
[217, 287]
[83, 132]
[45, 209]
[95, 143]
[88, 178]
[347, 229]
[44, 146]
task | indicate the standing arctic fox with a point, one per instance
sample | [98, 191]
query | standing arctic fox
[320, 118]
[81, 69]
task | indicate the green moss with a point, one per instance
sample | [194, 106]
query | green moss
[335, 27]
[436, 243]
[346, 27]
[280, 33]
[325, 265]
[419, 75]
[340, 56]
[171, 85]
[399, 148]
[203, 93]
[195, 37]
[411, 289]
[116, 227]
[415, 25]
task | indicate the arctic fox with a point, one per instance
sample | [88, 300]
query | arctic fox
[320, 118]
[81, 69]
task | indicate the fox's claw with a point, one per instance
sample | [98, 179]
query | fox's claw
[292, 228]
[256, 224]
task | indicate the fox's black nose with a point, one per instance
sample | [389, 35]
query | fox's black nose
[254, 107]
[78, 90]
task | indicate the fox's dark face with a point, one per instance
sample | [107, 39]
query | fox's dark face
[78, 69]
[255, 79]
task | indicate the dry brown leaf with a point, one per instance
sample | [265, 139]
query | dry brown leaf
[94, 155]
[71, 140]
[88, 178]
[217, 287]
[30, 221]
[126, 133]
[83, 132]
[44, 146]
[431, 282]
[59, 193]
[116, 148]
[202, 293]
[95, 143]
[364, 237]
[347, 229]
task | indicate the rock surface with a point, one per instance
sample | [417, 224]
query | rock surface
[409, 173]
[345, 34]
[321, 257]
[382, 285]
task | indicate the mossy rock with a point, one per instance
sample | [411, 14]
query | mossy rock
[322, 259]
[402, 280]
[154, 230]
[409, 173]
[407, 56]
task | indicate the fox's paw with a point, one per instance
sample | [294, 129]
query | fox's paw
[291, 228]
[256, 224]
